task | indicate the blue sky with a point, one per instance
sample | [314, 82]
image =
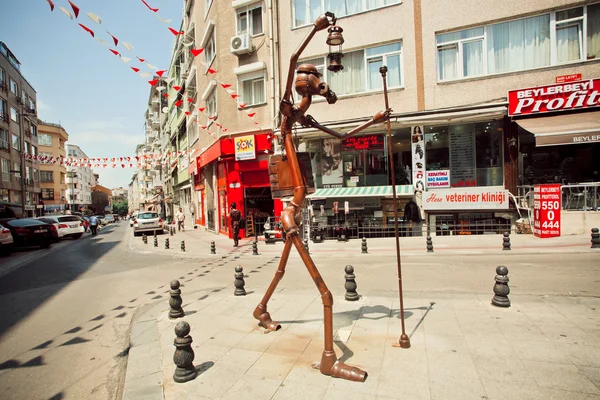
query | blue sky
[79, 83]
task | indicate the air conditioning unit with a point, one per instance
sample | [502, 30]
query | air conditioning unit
[241, 44]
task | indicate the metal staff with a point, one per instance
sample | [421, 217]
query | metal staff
[404, 339]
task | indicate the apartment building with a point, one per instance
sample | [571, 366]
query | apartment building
[52, 139]
[19, 182]
[78, 180]
[133, 195]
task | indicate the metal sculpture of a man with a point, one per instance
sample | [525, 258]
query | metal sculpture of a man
[307, 85]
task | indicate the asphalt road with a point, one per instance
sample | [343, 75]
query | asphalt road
[65, 317]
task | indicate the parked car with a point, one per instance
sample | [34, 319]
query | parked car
[133, 218]
[30, 232]
[110, 219]
[68, 226]
[53, 225]
[6, 241]
[148, 221]
[102, 220]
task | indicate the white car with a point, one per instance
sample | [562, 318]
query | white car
[6, 240]
[68, 226]
[148, 221]
[132, 219]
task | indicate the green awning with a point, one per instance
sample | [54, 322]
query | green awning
[363, 191]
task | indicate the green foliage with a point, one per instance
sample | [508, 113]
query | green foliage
[120, 208]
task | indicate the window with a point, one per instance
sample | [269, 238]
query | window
[45, 154]
[4, 195]
[2, 76]
[250, 20]
[5, 170]
[47, 194]
[17, 170]
[211, 105]
[28, 173]
[4, 139]
[210, 49]
[46, 177]
[33, 150]
[24, 97]
[44, 140]
[252, 87]
[3, 110]
[36, 175]
[14, 88]
[193, 131]
[307, 11]
[527, 43]
[208, 4]
[33, 130]
[17, 197]
[31, 105]
[16, 142]
[361, 69]
[14, 115]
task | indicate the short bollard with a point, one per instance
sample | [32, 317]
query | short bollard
[167, 244]
[254, 248]
[595, 238]
[363, 246]
[155, 241]
[213, 248]
[184, 354]
[239, 282]
[175, 301]
[429, 244]
[305, 241]
[506, 241]
[501, 289]
[183, 245]
[350, 284]
[145, 238]
[171, 230]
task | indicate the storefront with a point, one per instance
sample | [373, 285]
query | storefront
[241, 175]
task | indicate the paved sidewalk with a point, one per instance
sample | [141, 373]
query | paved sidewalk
[462, 348]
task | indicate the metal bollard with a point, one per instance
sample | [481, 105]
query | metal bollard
[213, 248]
[145, 238]
[501, 289]
[254, 248]
[175, 301]
[239, 282]
[350, 284]
[167, 244]
[155, 241]
[305, 241]
[429, 244]
[363, 246]
[183, 245]
[595, 238]
[184, 354]
[506, 241]
[171, 230]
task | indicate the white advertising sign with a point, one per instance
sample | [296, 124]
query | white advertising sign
[438, 179]
[477, 198]
[418, 158]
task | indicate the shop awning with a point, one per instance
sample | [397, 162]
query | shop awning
[364, 191]
[564, 129]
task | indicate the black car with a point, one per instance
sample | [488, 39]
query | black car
[30, 232]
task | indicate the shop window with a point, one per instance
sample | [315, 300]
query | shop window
[402, 153]
[488, 154]
[437, 148]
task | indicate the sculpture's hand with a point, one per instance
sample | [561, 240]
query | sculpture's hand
[309, 121]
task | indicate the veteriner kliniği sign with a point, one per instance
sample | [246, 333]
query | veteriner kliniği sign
[558, 97]
[477, 198]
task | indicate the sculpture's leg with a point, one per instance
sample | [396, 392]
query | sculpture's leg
[260, 313]
[329, 364]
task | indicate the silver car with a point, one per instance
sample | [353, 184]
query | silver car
[148, 221]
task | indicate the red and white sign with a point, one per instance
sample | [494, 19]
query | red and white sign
[438, 179]
[558, 97]
[546, 210]
[477, 198]
[568, 78]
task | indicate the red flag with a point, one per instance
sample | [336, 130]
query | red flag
[151, 9]
[141, 59]
[51, 5]
[116, 53]
[178, 88]
[135, 69]
[212, 71]
[233, 95]
[88, 30]
[202, 109]
[187, 113]
[166, 94]
[190, 100]
[122, 165]
[197, 52]
[212, 118]
[120, 159]
[203, 126]
[178, 103]
[251, 115]
[174, 32]
[161, 72]
[114, 38]
[243, 105]
[75, 9]
[224, 130]
[225, 85]
[153, 82]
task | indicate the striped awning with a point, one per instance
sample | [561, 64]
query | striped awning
[364, 191]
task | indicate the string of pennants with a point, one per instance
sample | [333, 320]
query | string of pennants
[156, 71]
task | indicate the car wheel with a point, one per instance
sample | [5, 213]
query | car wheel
[77, 236]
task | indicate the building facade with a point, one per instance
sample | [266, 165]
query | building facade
[52, 139]
[79, 181]
[101, 200]
[19, 182]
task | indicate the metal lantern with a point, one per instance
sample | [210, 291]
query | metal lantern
[335, 39]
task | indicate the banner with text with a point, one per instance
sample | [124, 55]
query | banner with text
[475, 198]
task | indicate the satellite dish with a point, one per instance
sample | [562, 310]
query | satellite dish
[165, 109]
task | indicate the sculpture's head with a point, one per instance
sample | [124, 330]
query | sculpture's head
[308, 83]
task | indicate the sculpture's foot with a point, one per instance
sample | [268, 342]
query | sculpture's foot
[331, 366]
[266, 322]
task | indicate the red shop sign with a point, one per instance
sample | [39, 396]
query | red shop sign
[369, 142]
[546, 210]
[557, 97]
[568, 78]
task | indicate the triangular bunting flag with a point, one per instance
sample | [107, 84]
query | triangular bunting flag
[197, 52]
[114, 39]
[51, 5]
[88, 30]
[75, 9]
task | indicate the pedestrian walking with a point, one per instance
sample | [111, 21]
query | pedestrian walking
[236, 216]
[94, 225]
[180, 219]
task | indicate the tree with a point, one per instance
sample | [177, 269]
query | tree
[120, 208]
